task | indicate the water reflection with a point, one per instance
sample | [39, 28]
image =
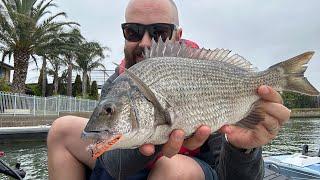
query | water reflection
[296, 133]
[33, 155]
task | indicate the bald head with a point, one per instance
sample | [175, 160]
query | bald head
[175, 11]
[150, 9]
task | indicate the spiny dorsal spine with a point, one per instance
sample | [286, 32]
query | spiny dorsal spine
[177, 49]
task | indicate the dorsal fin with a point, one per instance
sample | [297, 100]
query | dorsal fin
[177, 49]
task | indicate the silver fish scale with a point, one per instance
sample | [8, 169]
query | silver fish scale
[203, 91]
[144, 111]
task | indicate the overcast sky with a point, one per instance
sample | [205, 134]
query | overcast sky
[264, 32]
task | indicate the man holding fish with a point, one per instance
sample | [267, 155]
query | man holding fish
[231, 152]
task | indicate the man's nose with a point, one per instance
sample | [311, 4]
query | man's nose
[145, 41]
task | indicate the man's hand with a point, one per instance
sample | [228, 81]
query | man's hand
[176, 140]
[276, 115]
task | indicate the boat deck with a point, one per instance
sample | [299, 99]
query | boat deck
[29, 132]
[271, 175]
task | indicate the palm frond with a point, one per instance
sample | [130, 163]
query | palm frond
[35, 60]
[41, 9]
[5, 54]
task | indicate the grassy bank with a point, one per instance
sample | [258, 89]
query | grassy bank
[305, 112]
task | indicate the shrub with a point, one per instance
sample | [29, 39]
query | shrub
[35, 89]
[94, 91]
[4, 86]
[77, 87]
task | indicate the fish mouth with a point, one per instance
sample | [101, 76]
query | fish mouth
[102, 145]
[102, 141]
[94, 135]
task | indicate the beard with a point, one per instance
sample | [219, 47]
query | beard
[133, 57]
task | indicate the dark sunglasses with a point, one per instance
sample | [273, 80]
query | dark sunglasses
[134, 31]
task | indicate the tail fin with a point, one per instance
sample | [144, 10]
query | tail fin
[294, 69]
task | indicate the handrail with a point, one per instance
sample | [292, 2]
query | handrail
[21, 104]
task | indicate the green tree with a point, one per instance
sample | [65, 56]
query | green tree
[296, 100]
[42, 81]
[44, 76]
[54, 71]
[26, 26]
[57, 50]
[77, 90]
[88, 86]
[70, 56]
[88, 60]
[94, 91]
[53, 50]
[62, 83]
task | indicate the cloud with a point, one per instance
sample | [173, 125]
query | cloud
[264, 32]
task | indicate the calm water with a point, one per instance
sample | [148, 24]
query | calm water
[33, 155]
[294, 134]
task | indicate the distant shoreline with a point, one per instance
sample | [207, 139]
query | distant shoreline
[305, 113]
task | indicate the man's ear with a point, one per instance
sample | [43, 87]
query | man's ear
[179, 34]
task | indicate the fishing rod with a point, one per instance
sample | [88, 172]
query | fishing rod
[16, 173]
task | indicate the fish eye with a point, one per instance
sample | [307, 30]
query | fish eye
[109, 110]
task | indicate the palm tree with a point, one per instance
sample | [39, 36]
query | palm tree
[56, 64]
[70, 55]
[26, 26]
[56, 48]
[88, 60]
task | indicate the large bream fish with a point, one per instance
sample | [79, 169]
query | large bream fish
[177, 87]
